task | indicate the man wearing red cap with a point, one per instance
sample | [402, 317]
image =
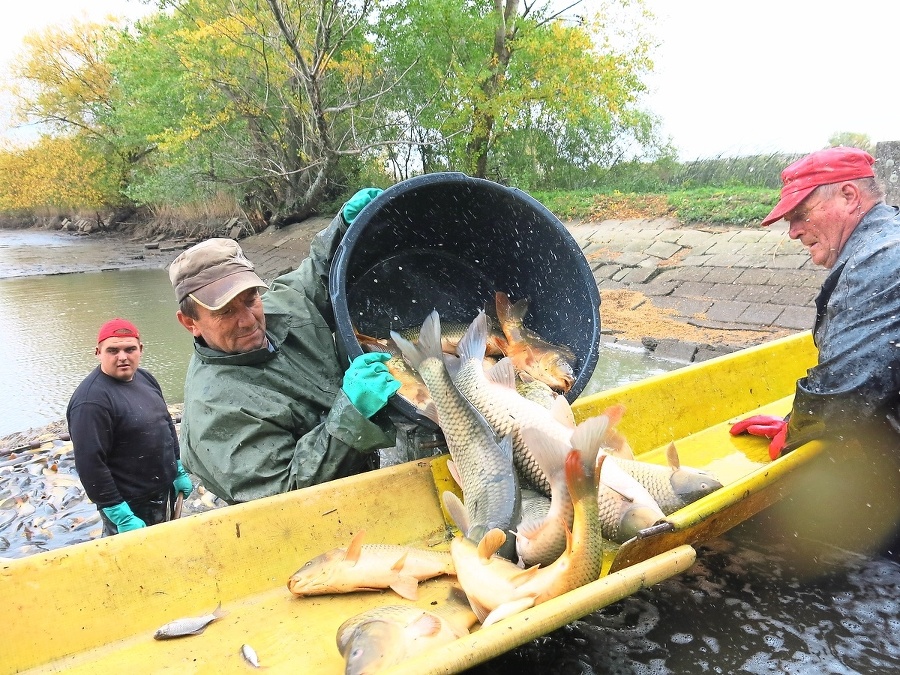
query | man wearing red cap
[836, 209]
[126, 449]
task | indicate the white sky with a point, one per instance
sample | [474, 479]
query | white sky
[731, 78]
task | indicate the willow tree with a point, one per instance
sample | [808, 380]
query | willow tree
[292, 89]
[502, 80]
[63, 85]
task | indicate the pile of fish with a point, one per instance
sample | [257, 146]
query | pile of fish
[43, 505]
[540, 494]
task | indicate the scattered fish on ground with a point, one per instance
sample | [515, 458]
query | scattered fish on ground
[189, 625]
[369, 567]
[484, 466]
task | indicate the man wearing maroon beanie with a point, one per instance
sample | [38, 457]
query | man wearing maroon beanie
[125, 445]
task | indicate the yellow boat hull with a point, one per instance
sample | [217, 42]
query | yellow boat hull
[94, 607]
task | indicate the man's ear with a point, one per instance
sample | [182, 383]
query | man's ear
[97, 350]
[188, 323]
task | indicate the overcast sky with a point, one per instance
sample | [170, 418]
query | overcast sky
[731, 78]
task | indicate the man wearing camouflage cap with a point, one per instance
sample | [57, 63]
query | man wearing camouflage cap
[268, 406]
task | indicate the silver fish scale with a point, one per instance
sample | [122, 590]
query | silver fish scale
[489, 487]
[505, 409]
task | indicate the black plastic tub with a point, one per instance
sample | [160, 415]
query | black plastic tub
[447, 241]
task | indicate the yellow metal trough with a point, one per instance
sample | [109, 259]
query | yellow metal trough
[94, 607]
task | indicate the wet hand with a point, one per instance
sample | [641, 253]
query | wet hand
[123, 517]
[368, 383]
[182, 482]
[767, 426]
[358, 202]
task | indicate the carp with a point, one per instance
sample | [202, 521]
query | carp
[543, 360]
[193, 625]
[483, 465]
[385, 636]
[673, 487]
[369, 567]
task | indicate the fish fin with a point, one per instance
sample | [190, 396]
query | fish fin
[525, 575]
[473, 343]
[430, 336]
[588, 438]
[454, 472]
[354, 548]
[430, 411]
[562, 412]
[503, 372]
[491, 542]
[617, 446]
[371, 344]
[480, 610]
[452, 363]
[579, 483]
[547, 451]
[615, 413]
[401, 561]
[508, 609]
[459, 514]
[406, 586]
[672, 457]
[426, 625]
[218, 612]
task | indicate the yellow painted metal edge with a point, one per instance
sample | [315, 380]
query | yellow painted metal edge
[487, 643]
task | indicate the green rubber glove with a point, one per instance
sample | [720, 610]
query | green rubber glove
[358, 202]
[123, 518]
[182, 482]
[368, 383]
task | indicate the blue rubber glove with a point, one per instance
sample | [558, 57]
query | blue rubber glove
[123, 518]
[368, 383]
[358, 202]
[182, 482]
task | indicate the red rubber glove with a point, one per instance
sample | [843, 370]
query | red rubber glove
[764, 425]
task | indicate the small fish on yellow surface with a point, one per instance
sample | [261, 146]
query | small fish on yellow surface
[188, 626]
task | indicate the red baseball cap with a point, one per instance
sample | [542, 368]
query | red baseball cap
[832, 165]
[117, 328]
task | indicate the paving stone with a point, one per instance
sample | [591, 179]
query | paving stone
[639, 275]
[693, 289]
[748, 236]
[726, 310]
[760, 314]
[670, 236]
[722, 275]
[684, 274]
[755, 276]
[656, 287]
[694, 238]
[797, 318]
[675, 350]
[788, 262]
[663, 249]
[759, 294]
[707, 352]
[605, 271]
[723, 291]
[684, 306]
[631, 259]
[722, 260]
[724, 247]
[637, 245]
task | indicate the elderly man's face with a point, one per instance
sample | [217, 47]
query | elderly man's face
[822, 225]
[240, 326]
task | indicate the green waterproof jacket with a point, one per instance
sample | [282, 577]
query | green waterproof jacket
[276, 419]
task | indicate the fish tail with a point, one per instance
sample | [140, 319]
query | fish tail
[577, 479]
[473, 343]
[218, 612]
[429, 344]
